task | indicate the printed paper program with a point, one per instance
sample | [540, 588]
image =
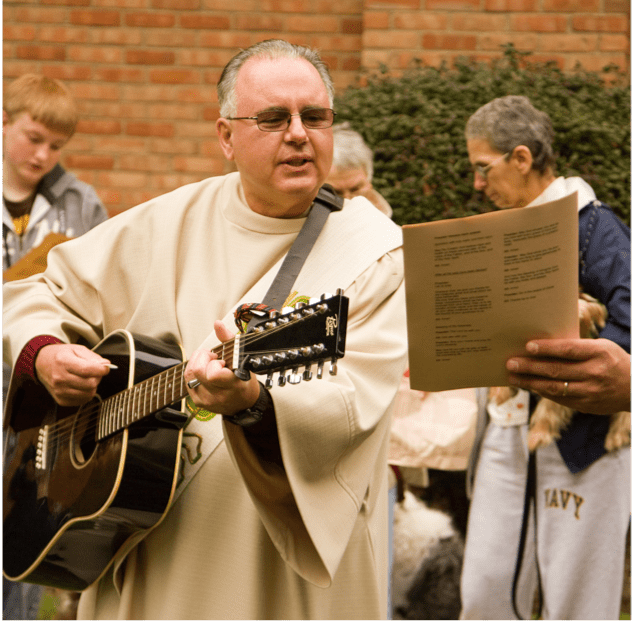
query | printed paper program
[479, 288]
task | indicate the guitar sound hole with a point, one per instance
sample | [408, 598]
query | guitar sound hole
[84, 433]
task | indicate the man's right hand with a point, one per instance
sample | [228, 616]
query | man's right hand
[70, 372]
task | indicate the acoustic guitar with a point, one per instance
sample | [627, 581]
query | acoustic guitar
[79, 483]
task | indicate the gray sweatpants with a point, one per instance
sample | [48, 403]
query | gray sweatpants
[582, 522]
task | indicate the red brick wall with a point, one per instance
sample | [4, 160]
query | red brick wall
[594, 33]
[145, 71]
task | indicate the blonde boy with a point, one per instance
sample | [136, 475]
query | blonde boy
[39, 197]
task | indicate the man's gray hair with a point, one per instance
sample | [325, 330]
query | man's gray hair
[350, 150]
[510, 121]
[271, 49]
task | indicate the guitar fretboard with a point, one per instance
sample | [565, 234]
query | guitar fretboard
[141, 400]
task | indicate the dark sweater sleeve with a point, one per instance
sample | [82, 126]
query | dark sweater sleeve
[605, 273]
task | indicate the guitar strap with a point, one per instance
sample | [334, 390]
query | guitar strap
[325, 203]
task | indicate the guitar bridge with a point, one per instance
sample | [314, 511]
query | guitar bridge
[42, 444]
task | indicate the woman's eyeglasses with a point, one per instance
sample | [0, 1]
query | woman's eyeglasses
[483, 170]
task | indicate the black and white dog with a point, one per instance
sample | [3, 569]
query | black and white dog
[427, 561]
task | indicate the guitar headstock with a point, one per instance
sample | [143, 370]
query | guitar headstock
[306, 335]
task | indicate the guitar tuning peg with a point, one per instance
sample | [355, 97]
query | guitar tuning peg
[307, 375]
[269, 380]
[320, 370]
[300, 305]
[333, 367]
[326, 295]
[294, 378]
[282, 379]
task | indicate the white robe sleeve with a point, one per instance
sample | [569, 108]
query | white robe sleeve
[333, 433]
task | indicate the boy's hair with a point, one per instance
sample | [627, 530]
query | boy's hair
[47, 100]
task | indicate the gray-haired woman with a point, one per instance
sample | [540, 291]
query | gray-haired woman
[577, 522]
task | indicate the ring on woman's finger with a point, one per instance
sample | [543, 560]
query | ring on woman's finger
[193, 384]
[565, 391]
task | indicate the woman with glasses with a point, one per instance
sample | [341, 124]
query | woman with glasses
[576, 524]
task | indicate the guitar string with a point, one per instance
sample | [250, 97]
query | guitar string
[159, 385]
[226, 350]
[62, 430]
[65, 426]
[229, 346]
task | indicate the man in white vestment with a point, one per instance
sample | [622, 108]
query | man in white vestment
[285, 514]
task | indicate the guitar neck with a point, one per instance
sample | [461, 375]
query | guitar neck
[149, 396]
[308, 334]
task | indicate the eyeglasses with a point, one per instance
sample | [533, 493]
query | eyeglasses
[280, 120]
[484, 170]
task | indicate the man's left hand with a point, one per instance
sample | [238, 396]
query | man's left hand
[220, 390]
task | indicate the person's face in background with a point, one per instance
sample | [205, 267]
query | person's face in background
[31, 150]
[349, 183]
[507, 181]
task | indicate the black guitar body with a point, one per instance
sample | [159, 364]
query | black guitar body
[69, 509]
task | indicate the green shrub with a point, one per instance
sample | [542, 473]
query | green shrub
[415, 125]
